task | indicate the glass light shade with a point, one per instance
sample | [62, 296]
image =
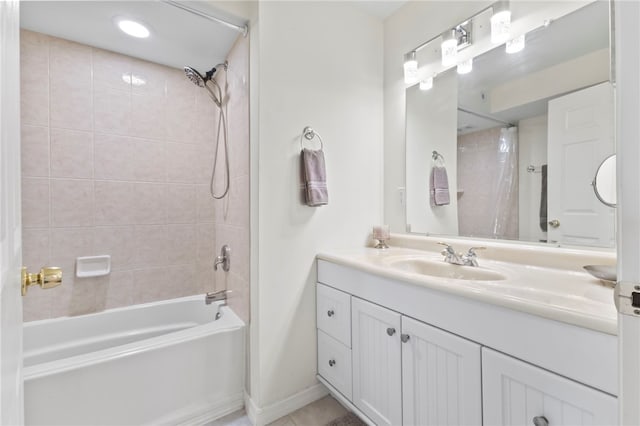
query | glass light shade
[410, 68]
[426, 84]
[500, 26]
[449, 49]
[515, 45]
[133, 28]
[465, 67]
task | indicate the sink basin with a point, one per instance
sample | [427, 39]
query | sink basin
[445, 270]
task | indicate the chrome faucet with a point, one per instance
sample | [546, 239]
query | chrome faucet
[223, 259]
[216, 296]
[469, 259]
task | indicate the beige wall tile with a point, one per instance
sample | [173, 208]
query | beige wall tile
[70, 79]
[181, 281]
[35, 151]
[148, 116]
[182, 163]
[118, 242]
[35, 202]
[35, 248]
[181, 203]
[150, 161]
[206, 242]
[71, 153]
[206, 204]
[182, 244]
[36, 305]
[150, 206]
[69, 243]
[112, 70]
[150, 284]
[119, 290]
[151, 246]
[34, 89]
[112, 110]
[114, 157]
[153, 75]
[115, 203]
[235, 209]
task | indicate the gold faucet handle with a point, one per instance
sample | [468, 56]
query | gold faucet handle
[48, 277]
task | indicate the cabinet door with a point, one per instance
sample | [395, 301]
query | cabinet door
[376, 362]
[516, 393]
[441, 377]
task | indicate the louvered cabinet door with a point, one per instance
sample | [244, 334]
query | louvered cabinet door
[517, 393]
[441, 377]
[376, 362]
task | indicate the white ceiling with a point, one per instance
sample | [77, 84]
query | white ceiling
[178, 38]
[380, 8]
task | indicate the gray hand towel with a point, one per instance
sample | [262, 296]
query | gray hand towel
[314, 177]
[438, 187]
[543, 200]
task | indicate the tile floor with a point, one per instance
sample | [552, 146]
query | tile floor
[318, 413]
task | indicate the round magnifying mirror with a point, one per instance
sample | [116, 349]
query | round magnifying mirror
[604, 183]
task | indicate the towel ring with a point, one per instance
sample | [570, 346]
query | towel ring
[309, 134]
[435, 155]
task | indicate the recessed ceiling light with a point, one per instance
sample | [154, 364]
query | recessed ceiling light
[133, 28]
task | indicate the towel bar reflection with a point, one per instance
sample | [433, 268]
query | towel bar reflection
[309, 134]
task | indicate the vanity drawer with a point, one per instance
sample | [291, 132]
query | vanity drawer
[334, 363]
[333, 313]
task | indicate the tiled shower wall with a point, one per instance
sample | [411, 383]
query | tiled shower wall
[112, 165]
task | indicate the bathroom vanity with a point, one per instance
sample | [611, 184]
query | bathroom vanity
[405, 338]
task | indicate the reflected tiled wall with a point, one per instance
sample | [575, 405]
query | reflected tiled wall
[478, 174]
[112, 166]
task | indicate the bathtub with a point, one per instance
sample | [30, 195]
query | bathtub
[167, 362]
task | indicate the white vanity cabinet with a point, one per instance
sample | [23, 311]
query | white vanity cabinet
[400, 354]
[517, 393]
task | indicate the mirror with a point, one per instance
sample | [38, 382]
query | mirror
[522, 136]
[604, 183]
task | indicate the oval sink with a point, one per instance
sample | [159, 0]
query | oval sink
[445, 270]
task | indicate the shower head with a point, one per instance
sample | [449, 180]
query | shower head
[195, 77]
[199, 79]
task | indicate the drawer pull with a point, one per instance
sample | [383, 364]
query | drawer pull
[330, 312]
[332, 362]
[391, 331]
[540, 421]
[404, 338]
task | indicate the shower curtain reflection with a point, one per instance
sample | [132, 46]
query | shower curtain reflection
[488, 183]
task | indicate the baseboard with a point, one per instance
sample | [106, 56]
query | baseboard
[202, 413]
[345, 402]
[263, 416]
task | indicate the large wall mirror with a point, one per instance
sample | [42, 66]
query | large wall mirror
[521, 137]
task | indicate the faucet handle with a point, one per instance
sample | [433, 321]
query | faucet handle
[448, 247]
[472, 250]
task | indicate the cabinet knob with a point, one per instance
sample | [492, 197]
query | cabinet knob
[332, 362]
[391, 331]
[554, 223]
[404, 338]
[540, 421]
[330, 312]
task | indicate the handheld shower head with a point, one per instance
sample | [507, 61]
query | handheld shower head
[195, 77]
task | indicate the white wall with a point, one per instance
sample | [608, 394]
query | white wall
[432, 120]
[320, 64]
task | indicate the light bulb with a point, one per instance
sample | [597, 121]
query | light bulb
[465, 67]
[133, 28]
[449, 48]
[410, 68]
[515, 45]
[500, 26]
[426, 84]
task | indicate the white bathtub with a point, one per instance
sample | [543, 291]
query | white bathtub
[167, 362]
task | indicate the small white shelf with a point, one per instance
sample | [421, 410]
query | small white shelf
[93, 266]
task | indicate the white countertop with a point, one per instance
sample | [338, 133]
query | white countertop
[567, 295]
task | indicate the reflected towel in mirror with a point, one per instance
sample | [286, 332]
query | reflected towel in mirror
[439, 186]
[314, 178]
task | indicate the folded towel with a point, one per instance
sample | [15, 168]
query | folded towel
[314, 177]
[438, 186]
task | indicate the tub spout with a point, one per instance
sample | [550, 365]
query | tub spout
[216, 296]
